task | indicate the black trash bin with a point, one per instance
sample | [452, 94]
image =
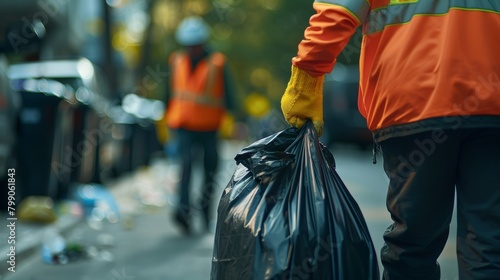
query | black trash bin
[84, 160]
[144, 138]
[140, 144]
[122, 137]
[45, 135]
[81, 161]
[9, 113]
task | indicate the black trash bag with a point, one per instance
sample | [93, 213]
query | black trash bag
[286, 214]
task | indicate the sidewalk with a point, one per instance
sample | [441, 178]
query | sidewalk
[28, 237]
[146, 190]
[134, 193]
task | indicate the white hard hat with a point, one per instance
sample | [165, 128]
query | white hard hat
[192, 31]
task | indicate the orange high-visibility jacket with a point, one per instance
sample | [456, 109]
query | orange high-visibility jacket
[197, 101]
[424, 64]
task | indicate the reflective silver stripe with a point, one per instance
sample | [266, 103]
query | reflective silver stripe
[358, 8]
[207, 97]
[378, 19]
[197, 98]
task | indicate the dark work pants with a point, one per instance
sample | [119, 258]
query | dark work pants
[194, 145]
[425, 172]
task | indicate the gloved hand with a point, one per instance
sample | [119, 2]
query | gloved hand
[226, 128]
[303, 100]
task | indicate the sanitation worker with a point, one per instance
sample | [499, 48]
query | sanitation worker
[199, 100]
[430, 93]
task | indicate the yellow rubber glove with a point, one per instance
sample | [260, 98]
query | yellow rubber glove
[303, 100]
[226, 128]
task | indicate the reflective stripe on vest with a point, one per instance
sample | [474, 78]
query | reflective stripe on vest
[400, 12]
[198, 93]
[205, 99]
[358, 9]
[208, 98]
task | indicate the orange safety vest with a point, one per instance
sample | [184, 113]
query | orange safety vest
[420, 59]
[197, 101]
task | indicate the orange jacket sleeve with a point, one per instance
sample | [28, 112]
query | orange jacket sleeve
[326, 36]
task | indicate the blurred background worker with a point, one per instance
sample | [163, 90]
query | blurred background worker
[198, 101]
[430, 92]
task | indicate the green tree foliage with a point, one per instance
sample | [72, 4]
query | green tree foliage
[260, 38]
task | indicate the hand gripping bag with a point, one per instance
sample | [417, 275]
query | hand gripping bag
[286, 214]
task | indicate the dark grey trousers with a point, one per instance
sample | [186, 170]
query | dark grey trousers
[194, 145]
[426, 170]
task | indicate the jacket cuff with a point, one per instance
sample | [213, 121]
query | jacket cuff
[303, 82]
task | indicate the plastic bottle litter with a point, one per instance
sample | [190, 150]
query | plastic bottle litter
[99, 205]
[54, 248]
